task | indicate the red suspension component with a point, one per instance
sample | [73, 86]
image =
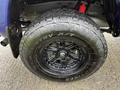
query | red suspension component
[82, 8]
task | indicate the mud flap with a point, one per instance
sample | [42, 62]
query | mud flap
[14, 37]
[14, 31]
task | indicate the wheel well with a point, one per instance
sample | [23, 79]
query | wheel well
[18, 7]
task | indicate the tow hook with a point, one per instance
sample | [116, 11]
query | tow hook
[4, 42]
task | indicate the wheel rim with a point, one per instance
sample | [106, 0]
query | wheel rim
[64, 56]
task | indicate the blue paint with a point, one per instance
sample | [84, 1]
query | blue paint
[4, 20]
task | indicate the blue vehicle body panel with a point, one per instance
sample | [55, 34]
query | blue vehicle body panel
[4, 13]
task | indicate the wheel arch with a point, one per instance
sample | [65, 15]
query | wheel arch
[14, 32]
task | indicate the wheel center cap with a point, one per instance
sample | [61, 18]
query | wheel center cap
[63, 53]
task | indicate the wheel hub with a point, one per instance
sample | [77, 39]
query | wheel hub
[63, 54]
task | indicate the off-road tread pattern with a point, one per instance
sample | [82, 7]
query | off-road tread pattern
[48, 18]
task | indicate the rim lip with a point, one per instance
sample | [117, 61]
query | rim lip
[53, 74]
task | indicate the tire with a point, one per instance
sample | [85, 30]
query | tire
[63, 45]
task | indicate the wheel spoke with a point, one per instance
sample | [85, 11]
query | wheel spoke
[73, 53]
[74, 59]
[64, 65]
[52, 49]
[53, 60]
[62, 43]
[71, 46]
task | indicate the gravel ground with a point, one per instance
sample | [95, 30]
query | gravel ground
[14, 75]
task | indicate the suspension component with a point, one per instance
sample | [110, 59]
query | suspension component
[83, 8]
[84, 4]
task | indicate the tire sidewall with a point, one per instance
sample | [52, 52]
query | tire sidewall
[62, 29]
